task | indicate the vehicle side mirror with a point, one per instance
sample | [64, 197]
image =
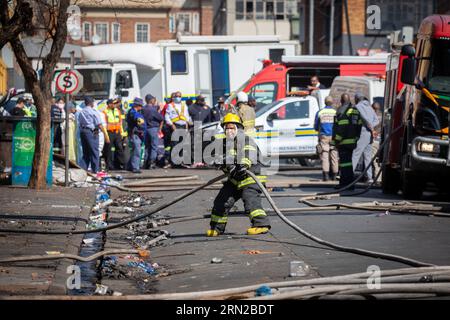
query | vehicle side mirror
[272, 116]
[408, 70]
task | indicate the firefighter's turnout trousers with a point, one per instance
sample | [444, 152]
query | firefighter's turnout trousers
[226, 199]
[245, 188]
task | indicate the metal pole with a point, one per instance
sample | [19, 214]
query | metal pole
[347, 18]
[66, 140]
[331, 28]
[311, 26]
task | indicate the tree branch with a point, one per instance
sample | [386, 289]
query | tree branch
[18, 23]
[59, 41]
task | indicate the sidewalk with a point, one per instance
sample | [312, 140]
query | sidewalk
[55, 209]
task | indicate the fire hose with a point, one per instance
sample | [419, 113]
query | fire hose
[272, 203]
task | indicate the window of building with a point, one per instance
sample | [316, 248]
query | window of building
[399, 13]
[249, 9]
[259, 9]
[178, 61]
[101, 30]
[265, 9]
[172, 23]
[115, 32]
[239, 10]
[142, 32]
[280, 10]
[87, 32]
[195, 23]
[184, 22]
[269, 10]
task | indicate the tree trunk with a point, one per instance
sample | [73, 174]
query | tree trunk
[40, 89]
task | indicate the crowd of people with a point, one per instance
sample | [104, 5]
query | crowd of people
[348, 133]
[133, 138]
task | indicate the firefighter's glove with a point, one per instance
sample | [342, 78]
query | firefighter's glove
[240, 173]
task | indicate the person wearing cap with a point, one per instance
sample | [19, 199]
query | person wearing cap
[114, 149]
[136, 134]
[90, 123]
[240, 153]
[154, 121]
[218, 111]
[199, 111]
[364, 145]
[246, 112]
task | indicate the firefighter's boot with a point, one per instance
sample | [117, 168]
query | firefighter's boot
[257, 230]
[212, 233]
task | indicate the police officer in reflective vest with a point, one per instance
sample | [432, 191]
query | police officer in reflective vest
[346, 132]
[240, 154]
[114, 149]
[328, 154]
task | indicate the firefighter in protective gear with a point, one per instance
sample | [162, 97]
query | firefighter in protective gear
[246, 113]
[114, 150]
[240, 154]
[346, 132]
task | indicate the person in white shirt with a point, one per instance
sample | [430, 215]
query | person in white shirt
[177, 117]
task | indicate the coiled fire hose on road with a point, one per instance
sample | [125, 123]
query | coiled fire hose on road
[308, 235]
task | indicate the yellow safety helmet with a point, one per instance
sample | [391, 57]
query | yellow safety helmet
[232, 118]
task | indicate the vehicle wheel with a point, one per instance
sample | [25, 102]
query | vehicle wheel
[306, 162]
[412, 185]
[390, 180]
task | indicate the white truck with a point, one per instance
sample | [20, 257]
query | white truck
[209, 65]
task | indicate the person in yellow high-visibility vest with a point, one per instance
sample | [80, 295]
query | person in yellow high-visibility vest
[114, 150]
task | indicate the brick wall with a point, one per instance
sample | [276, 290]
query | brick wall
[159, 26]
[206, 18]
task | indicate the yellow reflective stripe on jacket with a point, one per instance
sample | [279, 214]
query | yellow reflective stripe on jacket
[248, 181]
[220, 136]
[349, 141]
[249, 148]
[249, 123]
[247, 162]
[343, 121]
[219, 219]
[337, 137]
[257, 213]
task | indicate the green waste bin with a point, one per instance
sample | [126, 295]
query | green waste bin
[24, 137]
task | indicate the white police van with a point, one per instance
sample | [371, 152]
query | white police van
[285, 128]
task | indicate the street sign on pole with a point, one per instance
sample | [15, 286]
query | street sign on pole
[69, 82]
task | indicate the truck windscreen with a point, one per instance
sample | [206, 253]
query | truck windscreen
[96, 83]
[439, 78]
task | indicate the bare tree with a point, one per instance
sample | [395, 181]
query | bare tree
[53, 26]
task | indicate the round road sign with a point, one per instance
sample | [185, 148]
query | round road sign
[69, 81]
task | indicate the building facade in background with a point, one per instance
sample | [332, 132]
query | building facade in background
[120, 21]
[291, 21]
